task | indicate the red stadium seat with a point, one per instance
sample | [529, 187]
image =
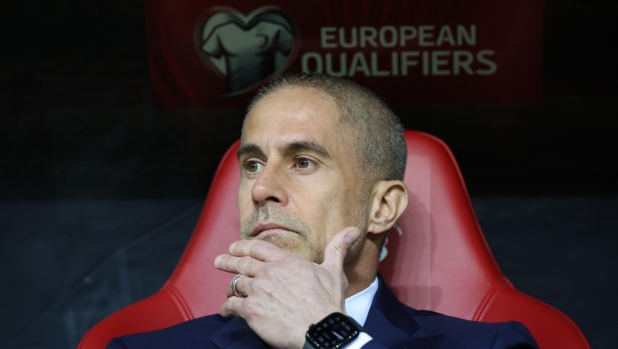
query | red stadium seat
[437, 258]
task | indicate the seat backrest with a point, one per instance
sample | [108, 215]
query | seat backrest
[443, 263]
[436, 259]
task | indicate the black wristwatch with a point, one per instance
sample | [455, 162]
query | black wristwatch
[335, 331]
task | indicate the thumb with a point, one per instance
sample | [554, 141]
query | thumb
[338, 247]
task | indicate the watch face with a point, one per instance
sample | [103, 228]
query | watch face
[333, 332]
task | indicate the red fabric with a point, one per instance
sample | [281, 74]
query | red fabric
[442, 261]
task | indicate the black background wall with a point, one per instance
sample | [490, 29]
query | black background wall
[99, 192]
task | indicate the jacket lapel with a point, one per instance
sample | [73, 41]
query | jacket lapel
[390, 324]
[237, 334]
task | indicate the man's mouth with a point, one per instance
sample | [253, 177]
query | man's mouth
[265, 229]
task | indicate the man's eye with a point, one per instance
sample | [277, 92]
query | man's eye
[304, 163]
[253, 167]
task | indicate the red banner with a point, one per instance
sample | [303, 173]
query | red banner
[205, 53]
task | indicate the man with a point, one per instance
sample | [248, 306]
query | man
[322, 161]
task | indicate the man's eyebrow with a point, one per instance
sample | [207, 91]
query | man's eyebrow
[249, 149]
[306, 146]
[296, 146]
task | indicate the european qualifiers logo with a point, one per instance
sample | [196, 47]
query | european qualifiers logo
[387, 51]
[246, 51]
[426, 52]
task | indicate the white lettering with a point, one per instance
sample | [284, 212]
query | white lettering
[406, 62]
[436, 63]
[446, 35]
[492, 66]
[368, 34]
[426, 61]
[374, 66]
[353, 43]
[359, 63]
[468, 37]
[343, 65]
[393, 34]
[328, 33]
[395, 63]
[459, 63]
[406, 33]
[425, 32]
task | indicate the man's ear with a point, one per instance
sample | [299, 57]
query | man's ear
[388, 201]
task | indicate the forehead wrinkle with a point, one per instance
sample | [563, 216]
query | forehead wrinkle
[304, 146]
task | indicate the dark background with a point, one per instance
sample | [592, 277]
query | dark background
[99, 191]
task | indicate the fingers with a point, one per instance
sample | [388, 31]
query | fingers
[338, 247]
[231, 307]
[260, 250]
[238, 265]
[246, 256]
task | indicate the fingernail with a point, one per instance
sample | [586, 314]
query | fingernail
[352, 236]
[233, 245]
[218, 260]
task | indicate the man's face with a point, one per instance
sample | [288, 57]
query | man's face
[299, 182]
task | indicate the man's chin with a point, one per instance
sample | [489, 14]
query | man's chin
[285, 243]
[292, 245]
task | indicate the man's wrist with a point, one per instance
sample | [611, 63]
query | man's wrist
[334, 331]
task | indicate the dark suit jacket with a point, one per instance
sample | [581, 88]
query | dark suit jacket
[390, 323]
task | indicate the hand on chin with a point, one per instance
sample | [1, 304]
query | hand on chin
[281, 291]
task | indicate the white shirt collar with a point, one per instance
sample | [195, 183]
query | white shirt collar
[357, 306]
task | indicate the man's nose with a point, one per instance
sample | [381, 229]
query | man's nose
[269, 187]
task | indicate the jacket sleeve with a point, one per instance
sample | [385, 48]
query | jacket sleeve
[116, 343]
[509, 335]
[513, 335]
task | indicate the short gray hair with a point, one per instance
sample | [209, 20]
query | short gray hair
[377, 134]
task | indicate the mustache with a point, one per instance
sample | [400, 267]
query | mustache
[270, 214]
